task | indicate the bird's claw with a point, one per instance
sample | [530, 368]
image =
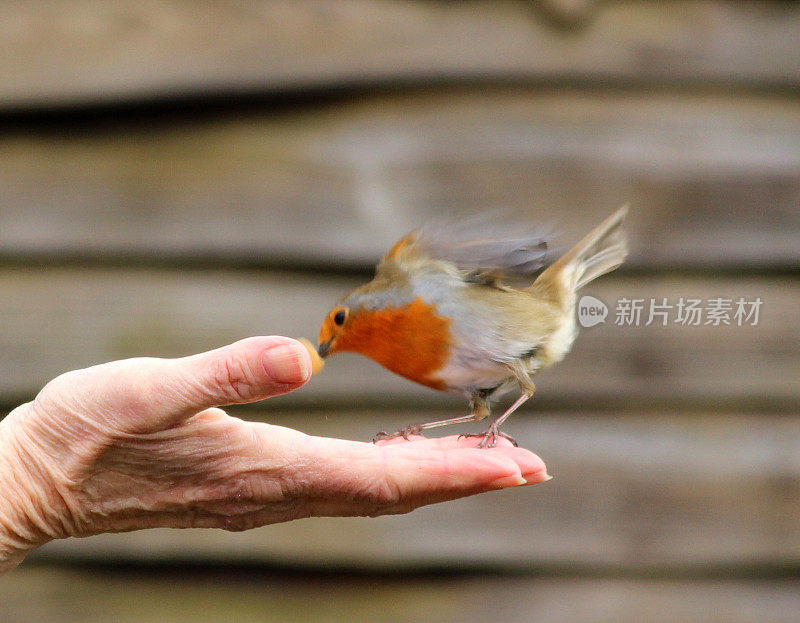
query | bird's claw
[411, 429]
[489, 438]
[382, 436]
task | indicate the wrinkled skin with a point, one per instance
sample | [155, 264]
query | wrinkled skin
[141, 443]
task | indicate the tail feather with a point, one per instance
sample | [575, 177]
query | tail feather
[598, 253]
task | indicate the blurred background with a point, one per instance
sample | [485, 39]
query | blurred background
[176, 175]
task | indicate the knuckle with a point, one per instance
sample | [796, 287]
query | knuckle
[381, 497]
[241, 490]
[232, 377]
[388, 493]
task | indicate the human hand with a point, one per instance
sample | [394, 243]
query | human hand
[140, 443]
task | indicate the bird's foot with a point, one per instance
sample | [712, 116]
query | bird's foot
[411, 429]
[489, 438]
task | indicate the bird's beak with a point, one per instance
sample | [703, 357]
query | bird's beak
[324, 348]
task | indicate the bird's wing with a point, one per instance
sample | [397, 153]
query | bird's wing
[482, 250]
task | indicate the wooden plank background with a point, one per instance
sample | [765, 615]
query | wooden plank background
[714, 181]
[81, 595]
[178, 175]
[62, 318]
[54, 53]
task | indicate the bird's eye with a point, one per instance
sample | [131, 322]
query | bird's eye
[339, 317]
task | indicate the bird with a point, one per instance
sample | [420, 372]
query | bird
[472, 310]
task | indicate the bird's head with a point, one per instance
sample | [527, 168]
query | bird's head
[353, 322]
[333, 328]
[392, 319]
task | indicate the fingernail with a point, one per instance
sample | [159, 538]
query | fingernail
[286, 364]
[509, 481]
[535, 479]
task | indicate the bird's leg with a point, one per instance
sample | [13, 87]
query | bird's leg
[493, 432]
[479, 410]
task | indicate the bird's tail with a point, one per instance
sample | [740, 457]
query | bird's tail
[600, 252]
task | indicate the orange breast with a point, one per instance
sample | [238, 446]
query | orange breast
[412, 341]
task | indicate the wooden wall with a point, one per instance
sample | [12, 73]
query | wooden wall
[178, 175]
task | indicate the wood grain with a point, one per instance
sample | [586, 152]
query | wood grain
[52, 53]
[88, 595]
[59, 319]
[713, 181]
[132, 226]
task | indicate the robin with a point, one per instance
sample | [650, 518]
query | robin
[444, 310]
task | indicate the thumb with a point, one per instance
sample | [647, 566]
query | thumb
[245, 371]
